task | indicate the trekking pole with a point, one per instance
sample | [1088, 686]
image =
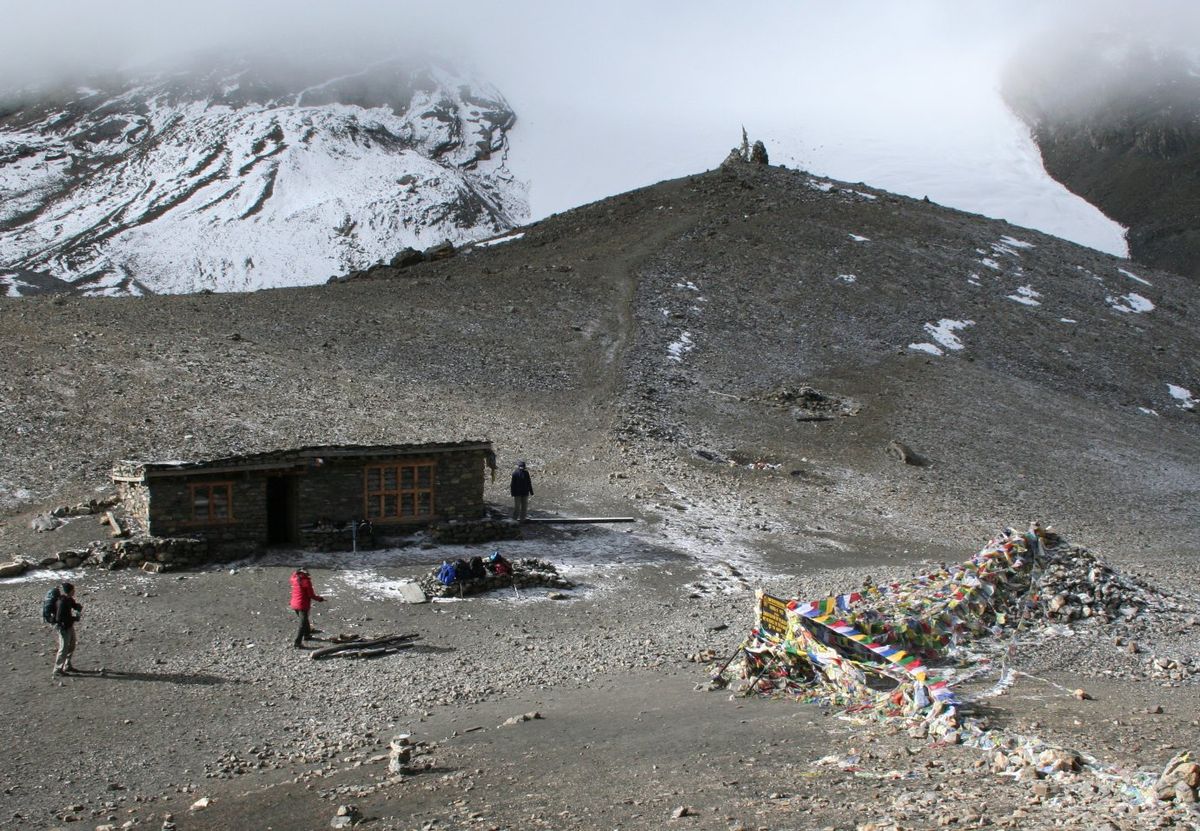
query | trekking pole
[514, 582]
[767, 664]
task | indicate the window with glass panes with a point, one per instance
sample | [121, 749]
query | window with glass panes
[397, 492]
[212, 502]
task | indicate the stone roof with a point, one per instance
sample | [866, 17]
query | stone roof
[137, 470]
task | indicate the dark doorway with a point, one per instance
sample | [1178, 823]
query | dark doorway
[281, 510]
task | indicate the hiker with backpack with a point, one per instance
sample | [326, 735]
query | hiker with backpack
[521, 489]
[61, 609]
[302, 597]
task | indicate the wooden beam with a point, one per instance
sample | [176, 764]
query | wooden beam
[568, 520]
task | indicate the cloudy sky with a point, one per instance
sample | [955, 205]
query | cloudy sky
[619, 94]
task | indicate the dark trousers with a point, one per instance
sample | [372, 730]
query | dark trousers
[305, 627]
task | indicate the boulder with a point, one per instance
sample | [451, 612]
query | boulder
[45, 522]
[14, 569]
[407, 257]
[906, 454]
[444, 251]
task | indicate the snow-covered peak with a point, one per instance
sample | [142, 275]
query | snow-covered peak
[241, 179]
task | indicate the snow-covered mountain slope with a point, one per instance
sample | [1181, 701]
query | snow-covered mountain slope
[238, 180]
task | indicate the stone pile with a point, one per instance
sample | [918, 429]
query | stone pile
[408, 757]
[1179, 781]
[1172, 669]
[527, 573]
[1075, 586]
[482, 530]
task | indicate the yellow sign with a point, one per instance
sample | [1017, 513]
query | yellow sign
[772, 615]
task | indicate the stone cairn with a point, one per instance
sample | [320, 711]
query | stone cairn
[1076, 586]
[527, 573]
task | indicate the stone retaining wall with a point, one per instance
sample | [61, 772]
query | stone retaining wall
[483, 530]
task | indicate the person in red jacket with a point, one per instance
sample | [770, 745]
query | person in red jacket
[302, 598]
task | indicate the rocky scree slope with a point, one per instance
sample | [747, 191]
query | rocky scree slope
[246, 177]
[740, 356]
[1120, 127]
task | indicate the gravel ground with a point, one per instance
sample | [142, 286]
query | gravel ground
[566, 348]
[202, 697]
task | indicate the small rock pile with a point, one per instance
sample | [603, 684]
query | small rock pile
[1172, 669]
[1075, 586]
[1179, 781]
[528, 573]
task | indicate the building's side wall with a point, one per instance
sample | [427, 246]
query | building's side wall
[170, 511]
[135, 500]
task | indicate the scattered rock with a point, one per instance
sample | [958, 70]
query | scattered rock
[346, 816]
[906, 454]
[45, 522]
[14, 569]
[531, 716]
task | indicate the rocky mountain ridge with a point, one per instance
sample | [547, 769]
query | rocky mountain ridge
[247, 177]
[1120, 126]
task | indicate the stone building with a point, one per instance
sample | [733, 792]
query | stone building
[310, 497]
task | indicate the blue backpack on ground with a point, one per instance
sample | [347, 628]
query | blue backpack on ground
[447, 574]
[50, 606]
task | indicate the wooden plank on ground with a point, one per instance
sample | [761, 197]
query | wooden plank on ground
[566, 520]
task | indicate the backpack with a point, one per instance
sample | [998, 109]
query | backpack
[447, 574]
[462, 569]
[50, 606]
[477, 569]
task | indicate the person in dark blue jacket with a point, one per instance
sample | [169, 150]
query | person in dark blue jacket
[67, 611]
[521, 489]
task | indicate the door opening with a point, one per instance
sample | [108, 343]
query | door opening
[281, 510]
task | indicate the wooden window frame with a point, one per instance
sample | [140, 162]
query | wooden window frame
[380, 495]
[211, 519]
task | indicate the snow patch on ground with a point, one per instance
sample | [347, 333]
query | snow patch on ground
[943, 332]
[1130, 303]
[990, 263]
[1026, 295]
[681, 347]
[1147, 411]
[1183, 396]
[1134, 277]
[847, 278]
[973, 279]
[488, 243]
[11, 497]
[1013, 242]
[1067, 320]
[857, 238]
[925, 347]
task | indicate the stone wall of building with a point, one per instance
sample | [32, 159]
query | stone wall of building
[329, 491]
[135, 506]
[170, 511]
